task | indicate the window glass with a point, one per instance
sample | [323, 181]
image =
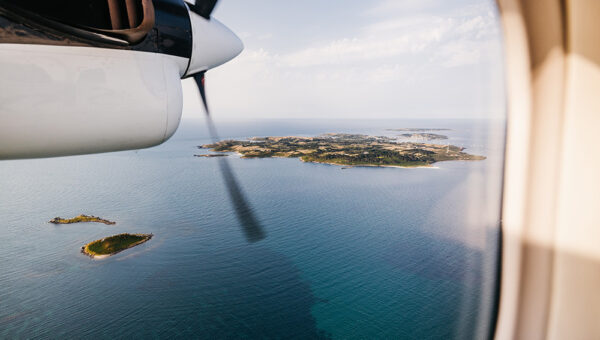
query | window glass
[378, 216]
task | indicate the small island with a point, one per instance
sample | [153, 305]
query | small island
[114, 244]
[210, 155]
[418, 129]
[345, 149]
[80, 218]
[426, 136]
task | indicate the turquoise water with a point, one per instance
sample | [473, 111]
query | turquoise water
[349, 254]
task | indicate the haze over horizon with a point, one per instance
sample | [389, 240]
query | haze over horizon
[349, 59]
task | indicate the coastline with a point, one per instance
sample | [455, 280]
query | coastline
[429, 166]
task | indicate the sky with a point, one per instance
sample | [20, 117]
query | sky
[355, 59]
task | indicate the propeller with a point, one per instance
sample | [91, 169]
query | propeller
[244, 212]
[203, 7]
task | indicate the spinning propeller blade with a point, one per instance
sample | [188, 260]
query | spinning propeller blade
[203, 7]
[245, 215]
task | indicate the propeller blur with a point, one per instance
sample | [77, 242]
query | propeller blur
[244, 212]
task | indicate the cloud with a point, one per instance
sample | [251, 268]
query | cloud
[425, 35]
[427, 64]
[459, 53]
[351, 51]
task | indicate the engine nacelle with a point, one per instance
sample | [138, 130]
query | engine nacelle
[87, 81]
[59, 100]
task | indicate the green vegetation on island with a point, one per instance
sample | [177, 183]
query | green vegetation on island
[345, 149]
[427, 136]
[80, 218]
[114, 244]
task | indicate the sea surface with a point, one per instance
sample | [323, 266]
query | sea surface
[358, 253]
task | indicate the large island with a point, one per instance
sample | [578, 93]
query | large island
[114, 244]
[345, 149]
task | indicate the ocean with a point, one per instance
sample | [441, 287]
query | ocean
[358, 253]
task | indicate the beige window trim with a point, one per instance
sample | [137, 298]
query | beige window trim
[551, 212]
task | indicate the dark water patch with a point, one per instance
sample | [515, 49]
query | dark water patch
[436, 258]
[243, 292]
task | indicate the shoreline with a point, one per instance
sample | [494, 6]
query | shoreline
[370, 165]
[430, 166]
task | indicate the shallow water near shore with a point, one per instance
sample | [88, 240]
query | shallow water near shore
[362, 252]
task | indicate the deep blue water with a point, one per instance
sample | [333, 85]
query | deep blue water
[357, 253]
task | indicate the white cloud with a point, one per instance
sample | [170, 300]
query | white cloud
[424, 65]
[348, 51]
[459, 53]
[475, 24]
[426, 35]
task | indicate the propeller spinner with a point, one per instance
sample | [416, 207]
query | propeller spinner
[213, 43]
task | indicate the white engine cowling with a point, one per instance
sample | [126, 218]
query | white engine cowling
[70, 100]
[58, 100]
